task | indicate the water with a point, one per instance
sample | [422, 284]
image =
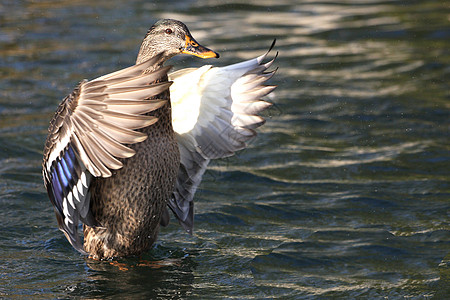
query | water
[345, 192]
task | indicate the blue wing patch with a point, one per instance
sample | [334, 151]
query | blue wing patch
[67, 186]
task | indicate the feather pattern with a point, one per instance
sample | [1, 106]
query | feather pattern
[88, 133]
[215, 111]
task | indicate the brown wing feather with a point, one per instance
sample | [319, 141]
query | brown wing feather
[89, 132]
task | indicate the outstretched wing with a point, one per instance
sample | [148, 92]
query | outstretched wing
[89, 132]
[215, 112]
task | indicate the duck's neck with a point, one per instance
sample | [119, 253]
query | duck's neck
[164, 113]
[148, 51]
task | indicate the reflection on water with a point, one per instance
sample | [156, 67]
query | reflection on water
[343, 194]
[166, 277]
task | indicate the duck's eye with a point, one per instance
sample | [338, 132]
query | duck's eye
[169, 31]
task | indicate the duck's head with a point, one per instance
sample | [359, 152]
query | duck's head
[171, 37]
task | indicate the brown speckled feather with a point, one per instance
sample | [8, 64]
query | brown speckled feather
[92, 134]
[130, 203]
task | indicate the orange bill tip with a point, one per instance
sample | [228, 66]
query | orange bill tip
[194, 48]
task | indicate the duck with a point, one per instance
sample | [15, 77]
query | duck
[126, 148]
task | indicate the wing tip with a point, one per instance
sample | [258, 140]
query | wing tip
[262, 57]
[73, 238]
[273, 44]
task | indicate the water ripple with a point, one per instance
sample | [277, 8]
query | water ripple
[343, 194]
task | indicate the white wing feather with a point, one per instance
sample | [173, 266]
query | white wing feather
[214, 113]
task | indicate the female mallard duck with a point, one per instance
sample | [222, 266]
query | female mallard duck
[121, 148]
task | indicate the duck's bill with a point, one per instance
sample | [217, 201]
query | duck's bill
[194, 48]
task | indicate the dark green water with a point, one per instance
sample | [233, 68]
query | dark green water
[345, 192]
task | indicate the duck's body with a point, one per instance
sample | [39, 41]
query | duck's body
[131, 225]
[112, 159]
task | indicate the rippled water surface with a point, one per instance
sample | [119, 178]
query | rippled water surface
[345, 192]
